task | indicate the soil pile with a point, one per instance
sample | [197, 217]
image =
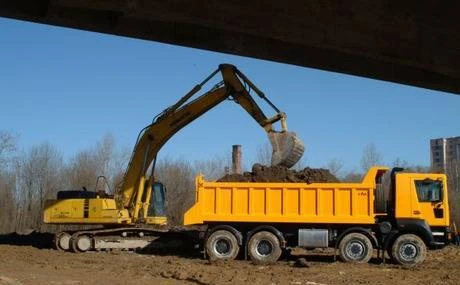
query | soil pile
[262, 173]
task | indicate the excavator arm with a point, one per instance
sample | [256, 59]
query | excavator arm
[136, 189]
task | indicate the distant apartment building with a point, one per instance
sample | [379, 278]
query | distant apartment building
[445, 153]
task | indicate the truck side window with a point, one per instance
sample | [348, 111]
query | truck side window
[428, 190]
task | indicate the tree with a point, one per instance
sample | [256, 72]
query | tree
[334, 166]
[7, 147]
[39, 177]
[110, 161]
[370, 157]
[82, 170]
[104, 159]
[8, 204]
[212, 169]
[398, 162]
[178, 178]
[7, 182]
[353, 177]
[264, 154]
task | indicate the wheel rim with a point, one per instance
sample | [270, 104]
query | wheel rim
[264, 248]
[83, 243]
[356, 250]
[408, 252]
[223, 247]
[64, 241]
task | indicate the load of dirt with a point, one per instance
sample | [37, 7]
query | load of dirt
[262, 173]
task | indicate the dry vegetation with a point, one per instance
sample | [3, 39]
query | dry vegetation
[29, 177]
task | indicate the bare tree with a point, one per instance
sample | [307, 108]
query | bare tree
[8, 206]
[178, 178]
[82, 170]
[104, 153]
[39, 177]
[8, 203]
[7, 147]
[212, 169]
[398, 162]
[104, 159]
[264, 154]
[110, 161]
[370, 157]
[353, 177]
[334, 166]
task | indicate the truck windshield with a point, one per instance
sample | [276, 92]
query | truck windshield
[157, 203]
[428, 190]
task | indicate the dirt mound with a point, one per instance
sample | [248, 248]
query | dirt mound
[262, 173]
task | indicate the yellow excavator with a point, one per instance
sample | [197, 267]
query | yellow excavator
[133, 217]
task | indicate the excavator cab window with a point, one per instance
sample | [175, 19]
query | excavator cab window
[157, 206]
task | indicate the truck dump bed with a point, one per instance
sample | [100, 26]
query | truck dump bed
[285, 202]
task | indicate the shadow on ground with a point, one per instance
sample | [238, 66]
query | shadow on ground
[35, 239]
[183, 243]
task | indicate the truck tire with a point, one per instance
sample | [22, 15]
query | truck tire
[222, 245]
[356, 248]
[408, 250]
[264, 248]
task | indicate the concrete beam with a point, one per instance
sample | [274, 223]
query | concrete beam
[410, 42]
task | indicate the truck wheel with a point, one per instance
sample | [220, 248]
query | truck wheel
[62, 241]
[264, 248]
[409, 250]
[356, 248]
[222, 245]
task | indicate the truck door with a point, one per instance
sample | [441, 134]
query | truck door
[430, 196]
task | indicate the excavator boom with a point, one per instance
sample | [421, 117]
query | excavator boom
[287, 148]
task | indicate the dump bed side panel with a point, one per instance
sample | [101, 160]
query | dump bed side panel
[282, 203]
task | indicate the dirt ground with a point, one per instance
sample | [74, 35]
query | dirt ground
[29, 264]
[262, 173]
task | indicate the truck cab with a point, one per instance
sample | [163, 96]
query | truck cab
[421, 203]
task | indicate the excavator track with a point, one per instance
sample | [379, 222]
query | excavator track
[127, 238]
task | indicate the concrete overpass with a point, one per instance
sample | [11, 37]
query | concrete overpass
[411, 42]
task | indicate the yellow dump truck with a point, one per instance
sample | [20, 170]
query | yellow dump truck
[261, 220]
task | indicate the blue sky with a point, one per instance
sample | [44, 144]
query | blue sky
[71, 87]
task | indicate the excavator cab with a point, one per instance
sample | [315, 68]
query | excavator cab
[157, 207]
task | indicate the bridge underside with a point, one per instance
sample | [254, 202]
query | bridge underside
[410, 42]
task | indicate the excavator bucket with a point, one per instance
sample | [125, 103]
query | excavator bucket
[287, 148]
